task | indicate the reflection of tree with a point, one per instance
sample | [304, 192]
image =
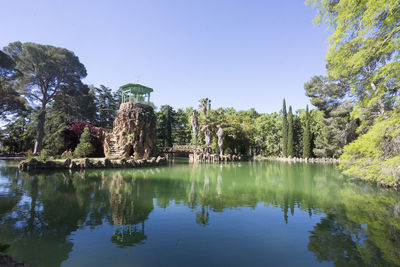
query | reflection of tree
[37, 223]
[129, 235]
[41, 210]
[363, 229]
[330, 241]
[202, 217]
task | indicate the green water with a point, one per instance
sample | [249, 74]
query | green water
[239, 214]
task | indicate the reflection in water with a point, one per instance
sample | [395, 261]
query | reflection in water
[360, 224]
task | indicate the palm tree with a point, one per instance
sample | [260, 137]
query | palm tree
[205, 105]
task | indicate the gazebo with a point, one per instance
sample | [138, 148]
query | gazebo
[134, 92]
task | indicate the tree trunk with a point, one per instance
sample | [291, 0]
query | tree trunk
[40, 130]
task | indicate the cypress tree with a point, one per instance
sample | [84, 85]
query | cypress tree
[284, 140]
[290, 141]
[84, 147]
[307, 137]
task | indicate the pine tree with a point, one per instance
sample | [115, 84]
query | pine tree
[307, 137]
[290, 141]
[284, 140]
[84, 147]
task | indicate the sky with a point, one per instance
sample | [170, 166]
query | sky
[238, 53]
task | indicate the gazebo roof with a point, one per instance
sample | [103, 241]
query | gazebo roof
[136, 88]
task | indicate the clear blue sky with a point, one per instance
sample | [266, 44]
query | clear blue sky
[238, 53]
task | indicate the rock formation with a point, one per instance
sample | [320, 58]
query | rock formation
[194, 121]
[133, 132]
[221, 137]
[208, 138]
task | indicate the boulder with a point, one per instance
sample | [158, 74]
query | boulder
[73, 165]
[67, 163]
[107, 163]
[86, 163]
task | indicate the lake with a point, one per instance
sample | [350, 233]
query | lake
[234, 214]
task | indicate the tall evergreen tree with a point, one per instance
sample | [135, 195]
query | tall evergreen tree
[290, 137]
[85, 147]
[284, 140]
[307, 137]
[45, 71]
[107, 105]
[165, 122]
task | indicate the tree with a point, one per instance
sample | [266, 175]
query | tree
[165, 122]
[205, 105]
[107, 104]
[307, 137]
[284, 141]
[268, 134]
[10, 100]
[46, 71]
[181, 128]
[84, 147]
[290, 142]
[338, 129]
[363, 51]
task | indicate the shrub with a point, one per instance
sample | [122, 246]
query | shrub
[84, 148]
[372, 157]
[43, 156]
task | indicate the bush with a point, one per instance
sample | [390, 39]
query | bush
[84, 148]
[374, 155]
[43, 156]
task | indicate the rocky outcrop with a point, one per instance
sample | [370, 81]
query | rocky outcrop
[133, 132]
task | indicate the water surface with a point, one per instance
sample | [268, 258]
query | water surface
[237, 214]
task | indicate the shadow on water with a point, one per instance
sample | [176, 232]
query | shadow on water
[359, 224]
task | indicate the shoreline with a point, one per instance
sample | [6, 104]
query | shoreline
[300, 160]
[86, 163]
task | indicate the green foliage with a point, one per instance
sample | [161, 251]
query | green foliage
[106, 103]
[284, 134]
[181, 133]
[268, 134]
[374, 156]
[43, 155]
[10, 100]
[307, 137]
[85, 147]
[290, 142]
[29, 155]
[45, 72]
[205, 106]
[165, 121]
[19, 135]
[336, 126]
[364, 51]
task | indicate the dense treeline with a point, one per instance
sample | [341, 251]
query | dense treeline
[356, 115]
[47, 106]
